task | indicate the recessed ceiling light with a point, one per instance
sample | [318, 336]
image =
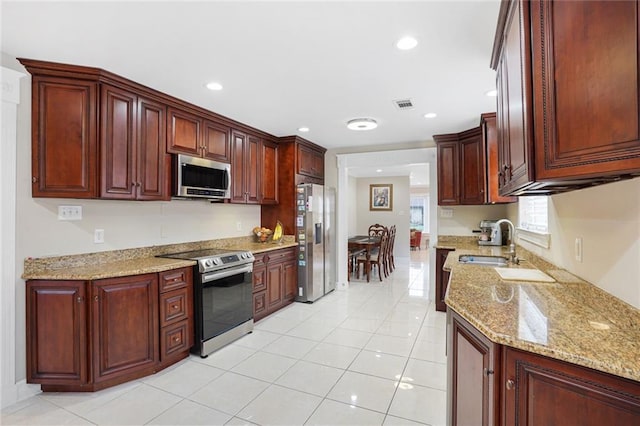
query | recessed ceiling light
[303, 129]
[430, 115]
[362, 124]
[378, 170]
[214, 86]
[493, 92]
[406, 43]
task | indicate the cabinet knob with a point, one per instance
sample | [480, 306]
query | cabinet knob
[79, 299]
[174, 306]
[133, 184]
[510, 384]
[34, 179]
[176, 339]
[488, 372]
[95, 298]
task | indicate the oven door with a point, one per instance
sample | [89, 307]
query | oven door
[226, 300]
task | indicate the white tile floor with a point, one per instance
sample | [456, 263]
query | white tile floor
[371, 355]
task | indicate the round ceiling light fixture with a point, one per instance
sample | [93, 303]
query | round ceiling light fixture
[214, 86]
[362, 124]
[430, 115]
[406, 43]
[303, 129]
[492, 93]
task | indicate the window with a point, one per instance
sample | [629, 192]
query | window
[533, 214]
[419, 210]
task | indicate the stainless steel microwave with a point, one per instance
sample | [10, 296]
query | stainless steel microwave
[201, 178]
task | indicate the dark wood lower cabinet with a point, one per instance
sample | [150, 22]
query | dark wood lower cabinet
[472, 359]
[544, 391]
[275, 281]
[89, 335]
[493, 384]
[442, 278]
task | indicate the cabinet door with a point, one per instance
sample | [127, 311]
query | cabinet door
[310, 162]
[472, 168]
[544, 391]
[448, 174]
[269, 173]
[238, 167]
[290, 277]
[275, 286]
[118, 143]
[587, 117]
[442, 279]
[216, 142]
[124, 325]
[253, 164]
[183, 133]
[64, 138]
[490, 136]
[514, 100]
[472, 366]
[56, 350]
[153, 162]
[259, 305]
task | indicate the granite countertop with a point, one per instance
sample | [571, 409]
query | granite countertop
[136, 261]
[570, 319]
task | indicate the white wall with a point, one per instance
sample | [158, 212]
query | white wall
[607, 218]
[352, 214]
[467, 218]
[399, 216]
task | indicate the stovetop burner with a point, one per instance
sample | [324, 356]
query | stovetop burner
[214, 259]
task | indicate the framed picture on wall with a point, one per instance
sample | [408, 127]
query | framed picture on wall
[381, 197]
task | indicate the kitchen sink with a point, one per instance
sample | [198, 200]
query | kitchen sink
[483, 260]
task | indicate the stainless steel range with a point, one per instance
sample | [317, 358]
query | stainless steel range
[223, 302]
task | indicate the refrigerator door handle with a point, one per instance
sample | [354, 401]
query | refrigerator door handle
[317, 239]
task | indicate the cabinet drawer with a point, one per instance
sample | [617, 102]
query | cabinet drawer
[174, 306]
[259, 279]
[282, 255]
[260, 260]
[174, 340]
[176, 278]
[259, 305]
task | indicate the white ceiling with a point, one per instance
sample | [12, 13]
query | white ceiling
[283, 65]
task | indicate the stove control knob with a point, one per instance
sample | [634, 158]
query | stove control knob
[216, 261]
[208, 263]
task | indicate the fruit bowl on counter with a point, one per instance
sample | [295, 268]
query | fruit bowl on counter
[262, 234]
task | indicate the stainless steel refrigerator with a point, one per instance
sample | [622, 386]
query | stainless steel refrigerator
[315, 229]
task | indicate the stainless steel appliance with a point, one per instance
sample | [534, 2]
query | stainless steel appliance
[491, 233]
[315, 229]
[200, 178]
[223, 302]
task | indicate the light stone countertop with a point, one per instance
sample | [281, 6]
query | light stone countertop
[136, 261]
[570, 320]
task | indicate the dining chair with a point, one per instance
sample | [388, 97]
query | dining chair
[376, 258]
[391, 265]
[377, 230]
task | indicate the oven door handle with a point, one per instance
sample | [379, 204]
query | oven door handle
[226, 273]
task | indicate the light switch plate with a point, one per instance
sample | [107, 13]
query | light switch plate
[98, 236]
[446, 212]
[69, 212]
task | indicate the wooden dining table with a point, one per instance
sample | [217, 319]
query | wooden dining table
[366, 243]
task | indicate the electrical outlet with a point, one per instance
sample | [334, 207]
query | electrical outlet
[98, 236]
[446, 212]
[578, 249]
[69, 212]
[239, 226]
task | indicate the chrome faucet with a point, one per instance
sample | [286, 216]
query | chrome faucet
[512, 234]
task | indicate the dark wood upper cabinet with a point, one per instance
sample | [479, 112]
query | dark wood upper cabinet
[472, 167]
[64, 137]
[253, 166]
[184, 133]
[216, 142]
[192, 134]
[494, 172]
[133, 162]
[448, 170]
[269, 172]
[568, 94]
[292, 152]
[468, 166]
[245, 170]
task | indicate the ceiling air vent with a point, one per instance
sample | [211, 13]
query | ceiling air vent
[404, 104]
